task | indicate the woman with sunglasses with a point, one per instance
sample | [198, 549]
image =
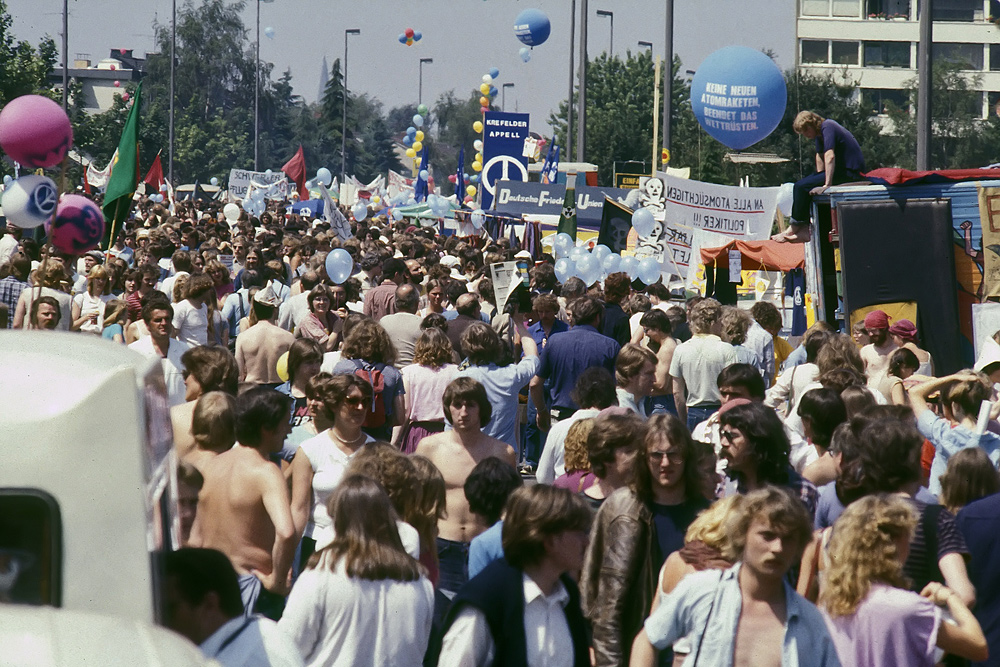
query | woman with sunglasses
[319, 463]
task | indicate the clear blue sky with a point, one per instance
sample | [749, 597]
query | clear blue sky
[464, 37]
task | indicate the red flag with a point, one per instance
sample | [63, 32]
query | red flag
[296, 170]
[155, 175]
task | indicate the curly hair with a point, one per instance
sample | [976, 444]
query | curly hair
[710, 526]
[433, 349]
[576, 446]
[389, 467]
[839, 352]
[704, 315]
[331, 390]
[766, 438]
[735, 324]
[368, 341]
[806, 119]
[863, 551]
[786, 514]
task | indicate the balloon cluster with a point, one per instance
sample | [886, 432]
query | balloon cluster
[409, 36]
[414, 139]
[591, 266]
[440, 206]
[487, 90]
[156, 198]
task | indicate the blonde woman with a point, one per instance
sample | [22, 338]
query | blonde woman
[872, 618]
[88, 306]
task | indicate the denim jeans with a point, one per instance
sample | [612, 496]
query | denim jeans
[699, 413]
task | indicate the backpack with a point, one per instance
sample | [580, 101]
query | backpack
[373, 376]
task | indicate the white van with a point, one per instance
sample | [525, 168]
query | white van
[87, 480]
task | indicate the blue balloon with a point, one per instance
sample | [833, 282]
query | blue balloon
[324, 176]
[739, 96]
[407, 141]
[397, 215]
[423, 174]
[402, 38]
[493, 91]
[417, 35]
[525, 54]
[360, 212]
[494, 72]
[339, 265]
[214, 181]
[269, 32]
[649, 270]
[532, 27]
[411, 130]
[418, 120]
[643, 222]
[474, 178]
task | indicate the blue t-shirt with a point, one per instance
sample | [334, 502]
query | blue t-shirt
[113, 330]
[485, 548]
[568, 354]
[846, 149]
[980, 524]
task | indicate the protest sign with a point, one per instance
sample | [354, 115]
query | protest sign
[240, 180]
[505, 279]
[503, 152]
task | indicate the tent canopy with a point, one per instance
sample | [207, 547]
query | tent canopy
[767, 255]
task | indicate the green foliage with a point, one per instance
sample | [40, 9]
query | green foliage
[24, 69]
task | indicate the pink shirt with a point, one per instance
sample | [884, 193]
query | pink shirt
[425, 389]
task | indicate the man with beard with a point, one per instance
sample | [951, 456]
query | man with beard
[876, 354]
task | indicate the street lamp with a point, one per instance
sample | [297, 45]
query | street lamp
[420, 87]
[503, 95]
[343, 122]
[610, 15]
[645, 45]
[668, 71]
[256, 91]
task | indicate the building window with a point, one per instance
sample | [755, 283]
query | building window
[883, 100]
[887, 54]
[839, 8]
[815, 52]
[965, 56]
[845, 53]
[887, 9]
[956, 10]
[995, 57]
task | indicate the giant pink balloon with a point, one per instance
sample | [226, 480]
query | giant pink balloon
[35, 131]
[78, 227]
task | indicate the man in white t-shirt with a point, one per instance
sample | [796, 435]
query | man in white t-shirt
[158, 316]
[696, 365]
[403, 326]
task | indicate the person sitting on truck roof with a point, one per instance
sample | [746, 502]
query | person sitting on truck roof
[244, 510]
[203, 604]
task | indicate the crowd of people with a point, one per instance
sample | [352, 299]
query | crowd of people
[398, 469]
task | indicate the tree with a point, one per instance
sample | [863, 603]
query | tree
[453, 118]
[24, 69]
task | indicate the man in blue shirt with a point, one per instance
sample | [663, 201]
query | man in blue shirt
[980, 525]
[568, 354]
[838, 160]
[748, 614]
[545, 307]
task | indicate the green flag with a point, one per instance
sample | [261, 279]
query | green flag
[124, 171]
[567, 219]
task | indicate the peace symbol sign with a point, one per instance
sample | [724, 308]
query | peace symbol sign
[505, 161]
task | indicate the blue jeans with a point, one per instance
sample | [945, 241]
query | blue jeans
[802, 200]
[534, 438]
[699, 413]
[659, 405]
[453, 558]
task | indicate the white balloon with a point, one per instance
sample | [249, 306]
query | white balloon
[478, 144]
[576, 253]
[643, 222]
[630, 265]
[588, 269]
[649, 270]
[562, 243]
[612, 263]
[565, 269]
[478, 218]
[30, 201]
[600, 252]
[487, 79]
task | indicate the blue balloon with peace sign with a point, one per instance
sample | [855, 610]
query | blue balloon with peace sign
[738, 95]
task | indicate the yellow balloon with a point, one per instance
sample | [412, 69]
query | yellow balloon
[485, 89]
[411, 153]
[477, 166]
[418, 146]
[282, 367]
[477, 126]
[471, 191]
[419, 136]
[479, 157]
[376, 199]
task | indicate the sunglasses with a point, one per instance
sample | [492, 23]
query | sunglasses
[729, 435]
[656, 458]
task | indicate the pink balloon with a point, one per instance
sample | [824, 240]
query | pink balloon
[118, 84]
[78, 227]
[113, 68]
[125, 96]
[35, 131]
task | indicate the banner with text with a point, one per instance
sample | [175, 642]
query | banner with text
[503, 152]
[515, 198]
[240, 180]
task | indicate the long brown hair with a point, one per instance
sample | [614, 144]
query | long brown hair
[367, 540]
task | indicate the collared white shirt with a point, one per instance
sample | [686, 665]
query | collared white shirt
[251, 642]
[173, 367]
[468, 642]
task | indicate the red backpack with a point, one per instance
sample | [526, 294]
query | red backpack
[373, 376]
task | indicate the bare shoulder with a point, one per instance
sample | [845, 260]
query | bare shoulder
[431, 445]
[503, 451]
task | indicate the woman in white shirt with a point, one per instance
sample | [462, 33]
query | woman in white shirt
[194, 322]
[362, 600]
[88, 306]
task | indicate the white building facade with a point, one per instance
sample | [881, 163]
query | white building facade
[873, 43]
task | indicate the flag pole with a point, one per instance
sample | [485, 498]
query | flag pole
[656, 112]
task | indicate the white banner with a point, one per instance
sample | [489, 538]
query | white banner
[240, 180]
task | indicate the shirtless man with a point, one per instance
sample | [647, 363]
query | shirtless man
[456, 453]
[740, 616]
[259, 347]
[876, 354]
[243, 508]
[655, 323]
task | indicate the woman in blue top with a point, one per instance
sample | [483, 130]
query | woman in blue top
[115, 314]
